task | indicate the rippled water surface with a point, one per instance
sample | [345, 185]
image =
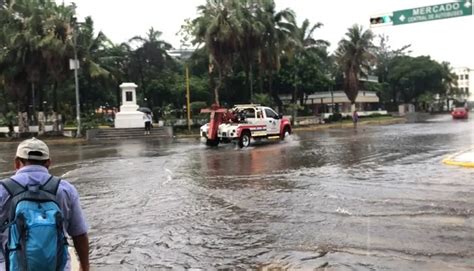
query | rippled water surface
[375, 198]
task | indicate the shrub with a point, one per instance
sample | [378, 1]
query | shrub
[335, 117]
[197, 106]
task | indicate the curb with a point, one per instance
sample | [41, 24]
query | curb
[388, 121]
[451, 160]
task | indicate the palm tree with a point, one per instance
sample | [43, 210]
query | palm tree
[21, 60]
[277, 37]
[56, 46]
[149, 58]
[250, 40]
[305, 37]
[116, 60]
[152, 38]
[353, 57]
[218, 28]
[306, 47]
[91, 48]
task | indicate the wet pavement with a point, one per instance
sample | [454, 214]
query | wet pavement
[375, 198]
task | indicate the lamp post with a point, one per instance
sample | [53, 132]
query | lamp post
[76, 79]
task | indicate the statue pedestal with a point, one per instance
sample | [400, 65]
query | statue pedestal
[129, 117]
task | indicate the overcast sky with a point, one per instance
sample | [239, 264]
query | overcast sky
[445, 40]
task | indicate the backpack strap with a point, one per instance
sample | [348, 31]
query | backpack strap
[51, 185]
[13, 187]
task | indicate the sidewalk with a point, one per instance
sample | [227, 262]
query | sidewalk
[463, 159]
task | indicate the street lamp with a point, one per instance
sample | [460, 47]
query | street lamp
[75, 66]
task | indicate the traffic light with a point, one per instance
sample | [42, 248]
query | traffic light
[381, 20]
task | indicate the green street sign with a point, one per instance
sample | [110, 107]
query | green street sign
[435, 12]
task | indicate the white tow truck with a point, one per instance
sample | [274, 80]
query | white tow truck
[243, 123]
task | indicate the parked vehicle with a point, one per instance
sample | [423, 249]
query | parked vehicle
[242, 124]
[460, 113]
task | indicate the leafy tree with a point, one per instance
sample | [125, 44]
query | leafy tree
[412, 78]
[449, 87]
[384, 55]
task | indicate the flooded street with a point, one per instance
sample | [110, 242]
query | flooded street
[375, 198]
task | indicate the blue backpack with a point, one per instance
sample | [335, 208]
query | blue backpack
[36, 240]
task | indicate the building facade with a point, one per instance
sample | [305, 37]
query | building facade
[337, 101]
[465, 77]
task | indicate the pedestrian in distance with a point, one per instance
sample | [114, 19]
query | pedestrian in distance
[147, 118]
[355, 118]
[38, 212]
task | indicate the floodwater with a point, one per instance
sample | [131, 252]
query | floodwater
[375, 198]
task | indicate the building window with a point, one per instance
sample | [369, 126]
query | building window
[462, 77]
[466, 76]
[467, 90]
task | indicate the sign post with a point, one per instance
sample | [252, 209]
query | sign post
[434, 12]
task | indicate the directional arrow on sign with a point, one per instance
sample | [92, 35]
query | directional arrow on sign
[434, 12]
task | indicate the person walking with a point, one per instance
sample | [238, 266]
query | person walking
[38, 211]
[355, 118]
[147, 117]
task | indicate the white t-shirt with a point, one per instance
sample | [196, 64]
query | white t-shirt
[147, 117]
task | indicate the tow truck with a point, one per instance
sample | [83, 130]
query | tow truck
[242, 124]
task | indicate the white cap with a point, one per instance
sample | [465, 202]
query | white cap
[33, 149]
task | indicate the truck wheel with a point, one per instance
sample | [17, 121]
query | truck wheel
[286, 132]
[244, 140]
[212, 142]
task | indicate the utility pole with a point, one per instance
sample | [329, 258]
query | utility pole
[76, 78]
[333, 106]
[188, 106]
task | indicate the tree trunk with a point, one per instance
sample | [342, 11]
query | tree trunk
[295, 110]
[41, 123]
[33, 104]
[23, 125]
[273, 92]
[218, 86]
[351, 86]
[55, 96]
[249, 77]
[55, 122]
[118, 93]
[260, 79]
